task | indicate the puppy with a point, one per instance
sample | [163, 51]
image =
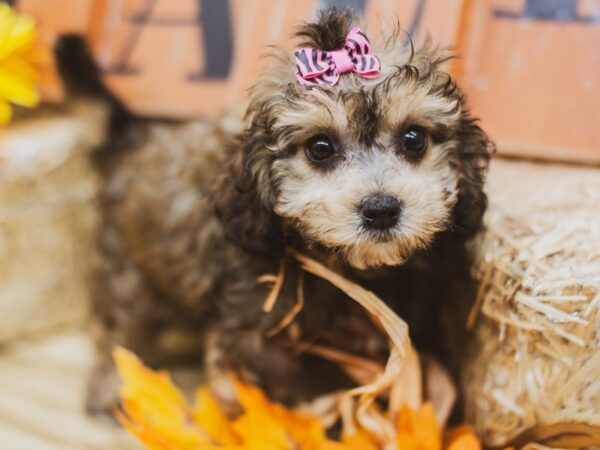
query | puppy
[379, 177]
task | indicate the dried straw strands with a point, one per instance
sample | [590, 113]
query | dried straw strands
[46, 217]
[537, 317]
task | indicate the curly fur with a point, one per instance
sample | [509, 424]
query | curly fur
[286, 196]
[194, 213]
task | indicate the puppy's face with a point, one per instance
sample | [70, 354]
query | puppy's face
[366, 172]
[371, 170]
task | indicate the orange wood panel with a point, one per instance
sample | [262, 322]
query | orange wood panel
[535, 82]
[154, 54]
[437, 19]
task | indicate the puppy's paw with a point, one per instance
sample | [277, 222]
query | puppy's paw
[103, 392]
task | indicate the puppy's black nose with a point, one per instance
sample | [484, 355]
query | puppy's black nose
[380, 211]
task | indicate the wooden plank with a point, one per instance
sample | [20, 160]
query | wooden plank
[42, 388]
[190, 58]
[535, 80]
[13, 438]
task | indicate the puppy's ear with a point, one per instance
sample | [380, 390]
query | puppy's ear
[243, 195]
[474, 148]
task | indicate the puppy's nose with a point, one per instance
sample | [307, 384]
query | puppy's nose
[380, 211]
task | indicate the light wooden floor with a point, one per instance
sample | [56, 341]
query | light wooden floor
[41, 397]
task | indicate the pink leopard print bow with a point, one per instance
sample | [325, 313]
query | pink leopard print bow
[320, 67]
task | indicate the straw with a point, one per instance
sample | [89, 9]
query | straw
[537, 315]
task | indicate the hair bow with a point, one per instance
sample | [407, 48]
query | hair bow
[325, 67]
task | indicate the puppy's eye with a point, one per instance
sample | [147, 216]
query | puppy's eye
[414, 141]
[319, 149]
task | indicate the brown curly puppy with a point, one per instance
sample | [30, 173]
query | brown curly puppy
[379, 178]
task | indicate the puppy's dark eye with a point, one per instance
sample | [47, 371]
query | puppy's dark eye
[414, 141]
[319, 149]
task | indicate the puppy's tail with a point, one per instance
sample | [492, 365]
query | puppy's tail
[81, 78]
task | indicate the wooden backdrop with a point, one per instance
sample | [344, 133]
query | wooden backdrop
[531, 67]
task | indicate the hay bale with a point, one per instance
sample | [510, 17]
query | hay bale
[537, 319]
[47, 187]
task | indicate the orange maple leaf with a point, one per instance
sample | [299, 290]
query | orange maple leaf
[462, 438]
[156, 412]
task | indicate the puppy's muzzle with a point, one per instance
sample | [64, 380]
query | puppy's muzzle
[380, 211]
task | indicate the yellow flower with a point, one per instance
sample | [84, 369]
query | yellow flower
[18, 61]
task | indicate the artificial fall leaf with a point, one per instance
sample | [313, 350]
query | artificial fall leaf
[208, 413]
[153, 409]
[279, 427]
[462, 438]
[359, 441]
[156, 412]
[418, 429]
